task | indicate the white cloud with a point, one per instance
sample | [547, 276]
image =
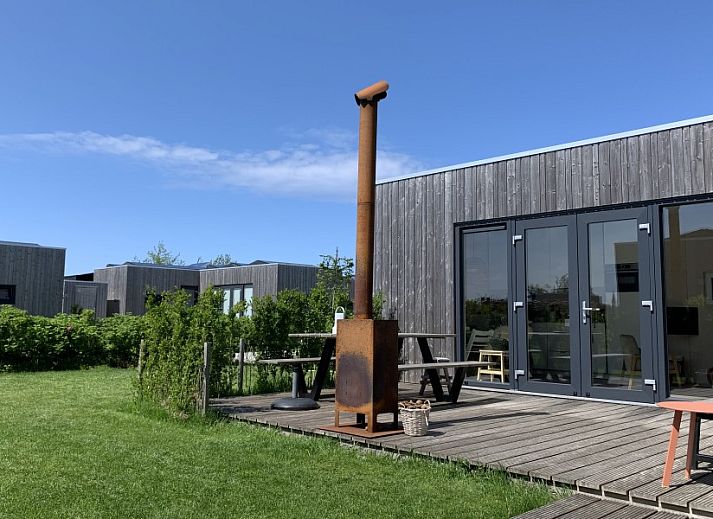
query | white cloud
[323, 164]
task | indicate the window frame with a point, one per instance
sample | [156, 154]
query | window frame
[12, 295]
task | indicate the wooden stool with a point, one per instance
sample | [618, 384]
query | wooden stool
[499, 368]
[698, 410]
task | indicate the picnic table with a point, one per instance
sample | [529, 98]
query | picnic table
[429, 363]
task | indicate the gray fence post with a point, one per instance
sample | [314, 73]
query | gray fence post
[140, 367]
[205, 387]
[241, 366]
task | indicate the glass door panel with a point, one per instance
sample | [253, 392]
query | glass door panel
[485, 304]
[615, 304]
[548, 354]
[547, 281]
[615, 309]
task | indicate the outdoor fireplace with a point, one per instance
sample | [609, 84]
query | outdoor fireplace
[367, 349]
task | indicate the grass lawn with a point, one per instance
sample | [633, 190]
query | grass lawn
[72, 444]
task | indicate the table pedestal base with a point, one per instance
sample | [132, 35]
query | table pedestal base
[295, 404]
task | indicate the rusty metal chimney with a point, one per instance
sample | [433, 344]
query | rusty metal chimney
[367, 99]
[367, 380]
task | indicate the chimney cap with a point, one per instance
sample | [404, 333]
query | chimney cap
[372, 93]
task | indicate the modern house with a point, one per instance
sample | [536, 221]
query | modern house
[128, 284]
[259, 278]
[31, 277]
[84, 295]
[584, 269]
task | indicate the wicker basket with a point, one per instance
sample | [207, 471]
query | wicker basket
[415, 421]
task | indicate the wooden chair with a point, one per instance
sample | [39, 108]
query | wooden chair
[478, 340]
[673, 370]
[631, 349]
[633, 362]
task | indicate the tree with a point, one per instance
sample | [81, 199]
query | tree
[221, 260]
[160, 255]
[335, 276]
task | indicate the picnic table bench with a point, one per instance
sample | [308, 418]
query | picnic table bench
[431, 369]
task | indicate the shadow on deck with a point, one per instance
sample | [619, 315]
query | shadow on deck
[610, 450]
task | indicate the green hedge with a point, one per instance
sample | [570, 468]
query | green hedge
[66, 341]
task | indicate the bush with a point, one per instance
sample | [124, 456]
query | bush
[121, 336]
[32, 343]
[66, 341]
[174, 337]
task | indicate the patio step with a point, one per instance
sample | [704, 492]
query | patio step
[580, 506]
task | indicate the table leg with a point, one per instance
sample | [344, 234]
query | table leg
[301, 384]
[671, 454]
[435, 379]
[323, 368]
[296, 370]
[691, 453]
[456, 384]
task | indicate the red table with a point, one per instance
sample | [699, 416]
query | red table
[678, 408]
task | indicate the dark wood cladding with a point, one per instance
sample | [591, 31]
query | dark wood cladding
[86, 295]
[37, 274]
[415, 217]
[268, 279]
[128, 283]
[262, 277]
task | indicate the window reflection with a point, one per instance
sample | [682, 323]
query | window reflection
[616, 304]
[547, 281]
[688, 277]
[485, 297]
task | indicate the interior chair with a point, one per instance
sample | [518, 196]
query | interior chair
[630, 348]
[673, 370]
[479, 339]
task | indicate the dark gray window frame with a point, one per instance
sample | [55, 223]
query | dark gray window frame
[459, 231]
[655, 208]
[12, 291]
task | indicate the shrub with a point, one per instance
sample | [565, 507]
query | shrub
[174, 337]
[121, 336]
[33, 343]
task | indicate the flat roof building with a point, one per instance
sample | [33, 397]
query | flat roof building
[584, 269]
[31, 277]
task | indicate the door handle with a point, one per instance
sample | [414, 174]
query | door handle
[586, 309]
[648, 304]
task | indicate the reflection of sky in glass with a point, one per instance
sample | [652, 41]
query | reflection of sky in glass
[610, 244]
[485, 265]
[692, 217]
[547, 258]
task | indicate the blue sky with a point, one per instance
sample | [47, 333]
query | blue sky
[230, 127]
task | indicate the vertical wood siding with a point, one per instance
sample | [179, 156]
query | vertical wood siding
[86, 295]
[37, 274]
[414, 262]
[128, 283]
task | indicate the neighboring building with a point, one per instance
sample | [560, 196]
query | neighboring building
[129, 283]
[257, 279]
[84, 295]
[586, 268]
[31, 277]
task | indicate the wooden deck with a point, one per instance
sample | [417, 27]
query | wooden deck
[613, 451]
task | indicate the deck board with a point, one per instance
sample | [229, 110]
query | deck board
[608, 450]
